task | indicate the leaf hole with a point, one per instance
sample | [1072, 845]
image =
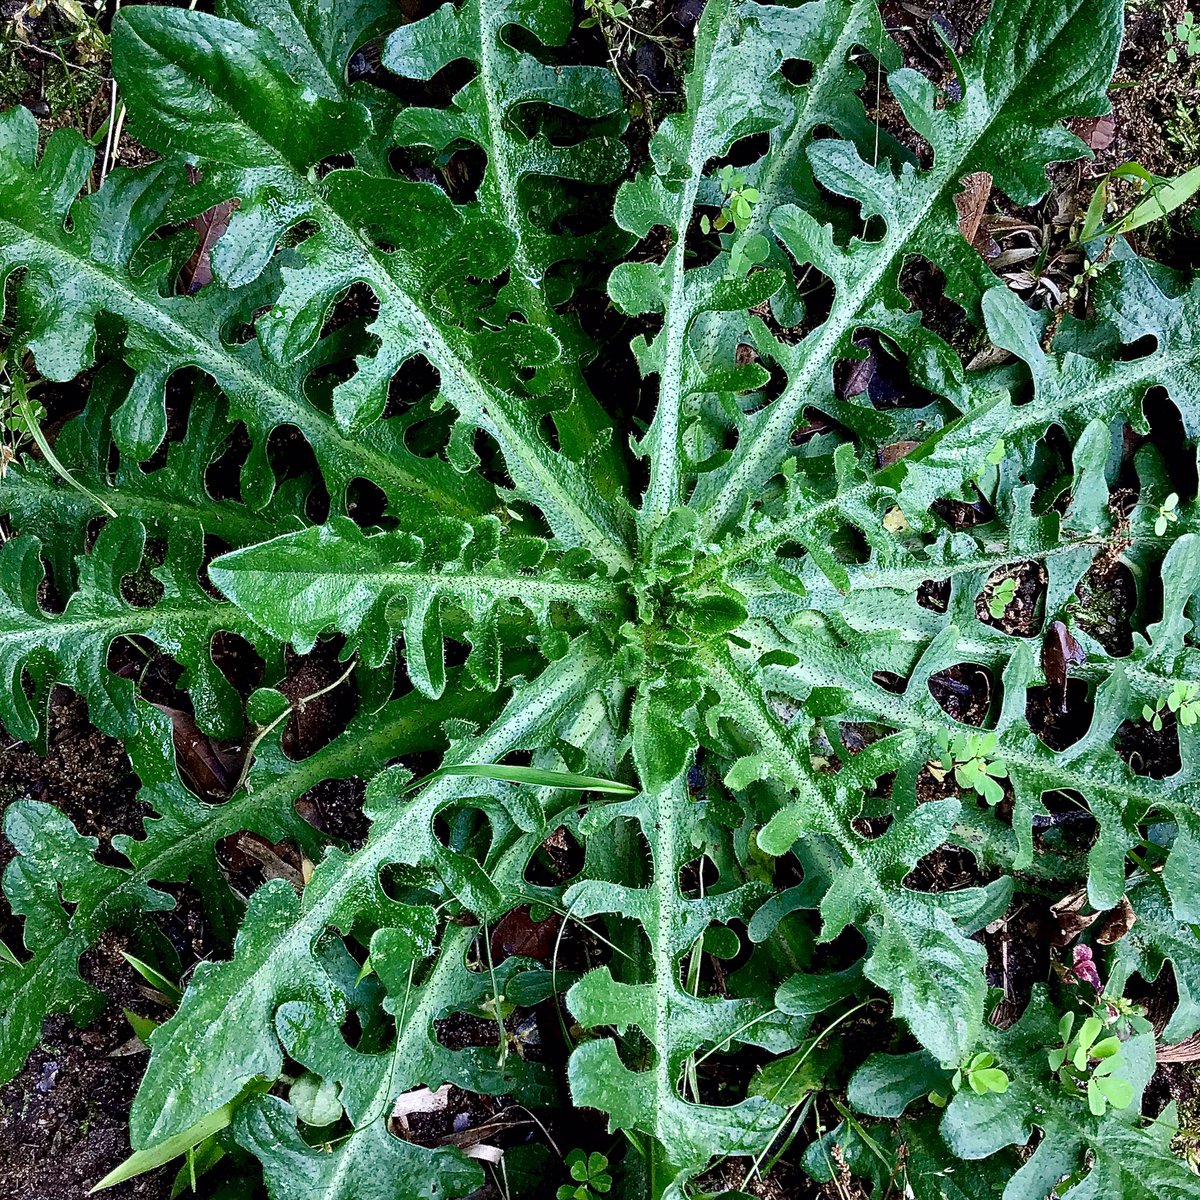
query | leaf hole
[1175, 441]
[556, 860]
[334, 807]
[1143, 347]
[1017, 594]
[357, 305]
[890, 682]
[963, 692]
[1152, 753]
[178, 402]
[334, 162]
[698, 878]
[549, 433]
[964, 514]
[871, 828]
[934, 594]
[435, 92]
[417, 379]
[1107, 597]
[316, 719]
[366, 502]
[1059, 724]
[1066, 826]
[797, 71]
[882, 376]
[222, 476]
[140, 588]
[924, 283]
[238, 660]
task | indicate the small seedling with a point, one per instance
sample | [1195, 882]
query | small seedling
[968, 755]
[608, 12]
[1186, 34]
[1085, 1064]
[739, 202]
[981, 1075]
[1167, 514]
[1183, 700]
[590, 1172]
[1003, 594]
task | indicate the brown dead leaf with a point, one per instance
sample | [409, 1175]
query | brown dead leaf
[1116, 923]
[518, 934]
[972, 203]
[244, 850]
[208, 767]
[1070, 918]
[1060, 652]
[894, 452]
[1097, 132]
[210, 225]
[1182, 1052]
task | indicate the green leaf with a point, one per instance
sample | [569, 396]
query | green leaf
[393, 426]
[141, 1161]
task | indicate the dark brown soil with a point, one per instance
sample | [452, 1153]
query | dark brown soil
[64, 1118]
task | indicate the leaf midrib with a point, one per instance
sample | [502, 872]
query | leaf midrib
[224, 367]
[817, 354]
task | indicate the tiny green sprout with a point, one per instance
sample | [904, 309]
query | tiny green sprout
[739, 202]
[1085, 1064]
[1167, 514]
[1183, 700]
[1002, 596]
[1125, 1014]
[1153, 713]
[980, 1074]
[590, 1172]
[1187, 35]
[969, 756]
[609, 12]
[996, 453]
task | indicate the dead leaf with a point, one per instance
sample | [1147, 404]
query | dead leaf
[972, 203]
[420, 1100]
[1117, 923]
[1060, 652]
[1097, 132]
[894, 452]
[518, 934]
[1070, 917]
[208, 767]
[251, 848]
[487, 1154]
[1182, 1052]
[210, 225]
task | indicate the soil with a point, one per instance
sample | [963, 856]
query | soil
[64, 1118]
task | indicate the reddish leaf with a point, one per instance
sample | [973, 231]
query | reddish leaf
[1059, 652]
[1097, 132]
[1084, 967]
[210, 225]
[518, 934]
